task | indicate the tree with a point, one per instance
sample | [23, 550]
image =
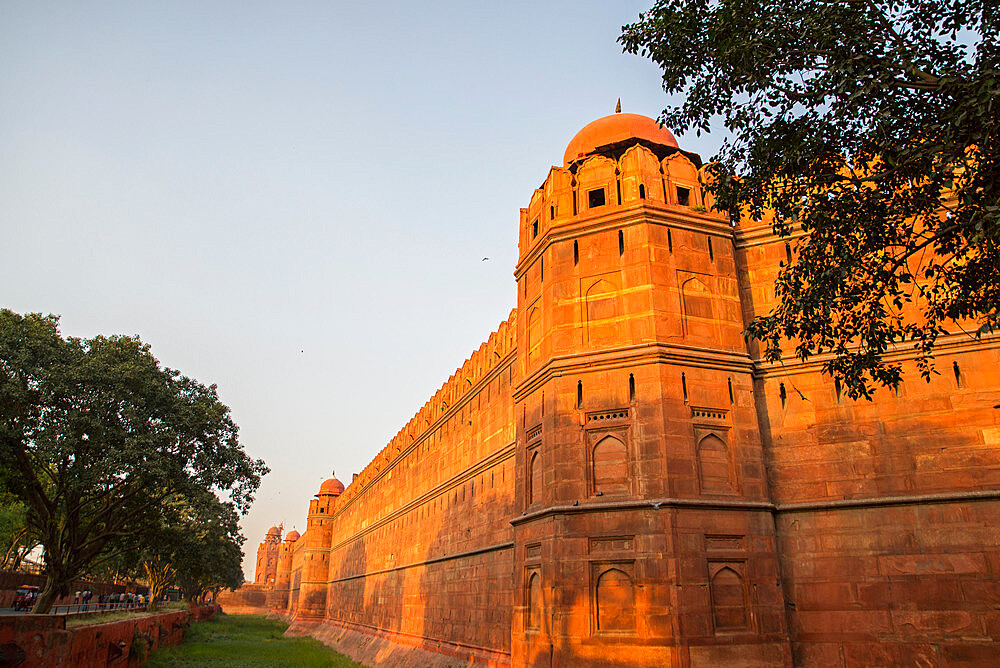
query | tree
[16, 539]
[97, 438]
[874, 128]
[159, 575]
[196, 544]
[206, 552]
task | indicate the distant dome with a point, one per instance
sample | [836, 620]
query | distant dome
[331, 487]
[274, 531]
[292, 536]
[615, 128]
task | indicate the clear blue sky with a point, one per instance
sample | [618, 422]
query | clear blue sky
[292, 200]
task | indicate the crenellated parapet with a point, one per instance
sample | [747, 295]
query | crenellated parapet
[598, 185]
[464, 382]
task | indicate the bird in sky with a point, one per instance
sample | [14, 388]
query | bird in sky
[486, 259]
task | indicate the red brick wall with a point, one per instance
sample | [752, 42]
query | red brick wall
[615, 478]
[43, 641]
[420, 544]
[887, 510]
[248, 599]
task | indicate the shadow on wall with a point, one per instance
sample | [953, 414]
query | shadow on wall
[468, 601]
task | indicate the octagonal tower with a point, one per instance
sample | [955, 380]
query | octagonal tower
[316, 565]
[641, 487]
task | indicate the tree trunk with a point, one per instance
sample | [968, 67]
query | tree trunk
[47, 597]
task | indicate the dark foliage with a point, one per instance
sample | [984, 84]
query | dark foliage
[868, 132]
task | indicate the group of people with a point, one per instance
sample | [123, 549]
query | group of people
[128, 598]
[83, 597]
[26, 596]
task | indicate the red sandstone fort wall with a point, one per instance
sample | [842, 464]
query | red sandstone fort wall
[616, 478]
[887, 510]
[421, 540]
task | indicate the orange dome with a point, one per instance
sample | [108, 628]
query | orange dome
[292, 536]
[274, 531]
[616, 128]
[331, 487]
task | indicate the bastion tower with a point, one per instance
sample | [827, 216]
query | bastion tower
[316, 565]
[278, 596]
[644, 524]
[267, 557]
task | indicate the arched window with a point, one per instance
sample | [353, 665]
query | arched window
[610, 466]
[642, 191]
[615, 601]
[534, 601]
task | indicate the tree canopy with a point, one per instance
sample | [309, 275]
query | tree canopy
[99, 440]
[868, 131]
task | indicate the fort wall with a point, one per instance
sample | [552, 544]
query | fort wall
[616, 477]
[886, 510]
[420, 543]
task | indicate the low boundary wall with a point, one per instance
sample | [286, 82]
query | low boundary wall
[11, 580]
[43, 641]
[250, 599]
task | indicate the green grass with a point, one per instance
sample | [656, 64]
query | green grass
[246, 640]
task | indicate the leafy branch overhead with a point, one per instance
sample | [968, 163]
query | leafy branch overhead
[867, 132]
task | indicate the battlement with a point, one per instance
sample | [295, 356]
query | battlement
[599, 184]
[481, 364]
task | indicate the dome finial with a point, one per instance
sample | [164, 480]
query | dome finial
[618, 107]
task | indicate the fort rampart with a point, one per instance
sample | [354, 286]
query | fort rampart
[616, 478]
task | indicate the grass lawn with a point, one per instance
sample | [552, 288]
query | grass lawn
[246, 640]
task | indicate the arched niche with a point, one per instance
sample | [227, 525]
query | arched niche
[534, 616]
[609, 466]
[680, 173]
[534, 477]
[715, 466]
[614, 602]
[640, 166]
[696, 302]
[534, 334]
[559, 193]
[602, 312]
[729, 605]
